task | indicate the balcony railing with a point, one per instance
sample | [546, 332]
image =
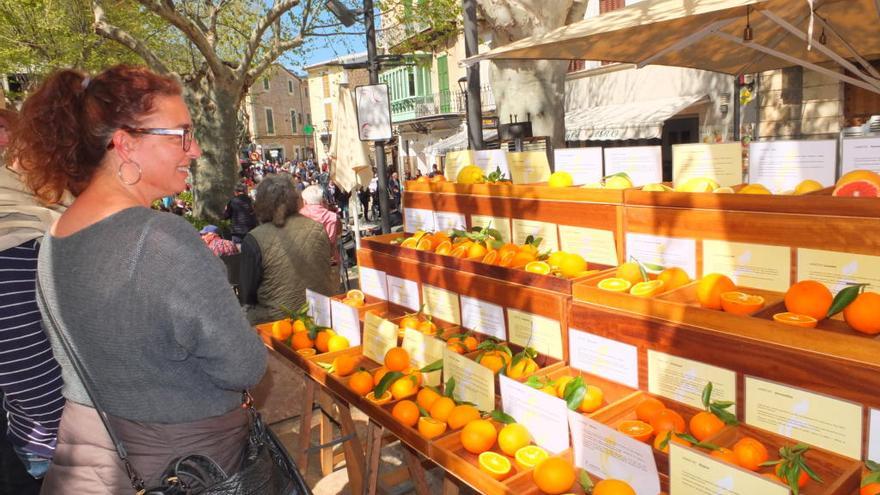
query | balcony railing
[416, 107]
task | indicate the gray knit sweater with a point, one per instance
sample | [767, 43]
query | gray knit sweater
[150, 313]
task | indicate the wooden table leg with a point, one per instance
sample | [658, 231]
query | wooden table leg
[416, 471]
[326, 432]
[450, 486]
[354, 450]
[305, 426]
[374, 449]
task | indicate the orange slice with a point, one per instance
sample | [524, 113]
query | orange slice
[491, 257]
[506, 258]
[796, 320]
[634, 428]
[430, 427]
[445, 247]
[647, 289]
[355, 294]
[740, 303]
[529, 456]
[409, 243]
[460, 251]
[386, 398]
[495, 464]
[614, 284]
[539, 267]
[424, 244]
[307, 352]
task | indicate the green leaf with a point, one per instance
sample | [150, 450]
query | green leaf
[707, 395]
[435, 366]
[574, 393]
[386, 382]
[665, 440]
[495, 235]
[618, 174]
[326, 366]
[585, 482]
[535, 382]
[450, 387]
[502, 417]
[689, 438]
[872, 466]
[723, 404]
[844, 298]
[653, 267]
[872, 477]
[423, 411]
[726, 416]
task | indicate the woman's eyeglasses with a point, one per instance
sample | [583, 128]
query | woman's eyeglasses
[186, 134]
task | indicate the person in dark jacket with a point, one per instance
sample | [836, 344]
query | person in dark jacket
[240, 210]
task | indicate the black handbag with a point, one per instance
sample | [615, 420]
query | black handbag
[266, 467]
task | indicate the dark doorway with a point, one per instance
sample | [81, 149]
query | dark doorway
[677, 131]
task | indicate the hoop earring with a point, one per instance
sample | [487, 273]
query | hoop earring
[121, 175]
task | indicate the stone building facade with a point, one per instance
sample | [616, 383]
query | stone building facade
[279, 115]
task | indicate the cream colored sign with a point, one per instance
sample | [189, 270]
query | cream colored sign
[501, 224]
[663, 251]
[542, 415]
[749, 265]
[683, 380]
[483, 317]
[441, 303]
[874, 435]
[719, 162]
[346, 321]
[403, 292]
[832, 424]
[544, 230]
[694, 473]
[603, 357]
[455, 161]
[373, 282]
[380, 335]
[418, 219]
[423, 350]
[319, 308]
[448, 220]
[474, 382]
[528, 167]
[837, 270]
[595, 245]
[782, 165]
[538, 332]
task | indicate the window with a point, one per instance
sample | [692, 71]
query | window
[325, 79]
[328, 112]
[270, 122]
[293, 121]
[309, 118]
[412, 82]
[290, 86]
[266, 83]
[306, 89]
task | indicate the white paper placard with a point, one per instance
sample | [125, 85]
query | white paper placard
[448, 220]
[424, 350]
[719, 162]
[490, 160]
[607, 453]
[683, 380]
[595, 245]
[663, 251]
[418, 219]
[874, 436]
[319, 308]
[373, 282]
[403, 292]
[643, 164]
[501, 224]
[860, 153]
[781, 165]
[346, 322]
[603, 357]
[483, 317]
[522, 229]
[694, 472]
[584, 164]
[543, 415]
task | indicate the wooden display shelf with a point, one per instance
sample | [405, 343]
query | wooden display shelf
[546, 364]
[370, 303]
[840, 475]
[382, 244]
[614, 394]
[540, 191]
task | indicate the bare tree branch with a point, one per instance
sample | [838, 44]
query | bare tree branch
[105, 29]
[270, 57]
[256, 38]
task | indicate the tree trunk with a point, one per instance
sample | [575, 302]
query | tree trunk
[214, 106]
[535, 87]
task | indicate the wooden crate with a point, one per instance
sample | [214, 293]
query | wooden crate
[539, 191]
[371, 303]
[613, 392]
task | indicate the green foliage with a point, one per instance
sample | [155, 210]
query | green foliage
[428, 25]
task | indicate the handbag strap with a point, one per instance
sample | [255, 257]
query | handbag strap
[136, 481]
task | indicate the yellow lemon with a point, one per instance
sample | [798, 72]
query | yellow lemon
[471, 174]
[656, 188]
[697, 185]
[807, 186]
[618, 182]
[337, 343]
[513, 437]
[560, 179]
[755, 189]
[572, 265]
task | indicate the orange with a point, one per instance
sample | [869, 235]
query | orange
[386, 398]
[668, 420]
[426, 397]
[528, 248]
[459, 251]
[428, 328]
[462, 415]
[361, 383]
[647, 289]
[508, 248]
[802, 480]
[711, 287]
[410, 242]
[561, 382]
[630, 271]
[406, 412]
[810, 298]
[470, 343]
[495, 464]
[442, 408]
[725, 455]
[513, 437]
[307, 352]
[414, 374]
[323, 339]
[404, 387]
[613, 487]
[529, 456]
[870, 489]
[506, 259]
[614, 284]
[355, 294]
[478, 436]
[636, 429]
[476, 250]
[430, 427]
[282, 329]
[396, 359]
[302, 341]
[424, 244]
[444, 248]
[554, 475]
[525, 367]
[437, 178]
[378, 374]
[673, 438]
[491, 257]
[357, 303]
[455, 347]
[522, 258]
[673, 278]
[539, 267]
[593, 399]
[344, 365]
[648, 408]
[863, 314]
[705, 424]
[740, 303]
[410, 322]
[299, 326]
[494, 360]
[796, 320]
[337, 343]
[750, 453]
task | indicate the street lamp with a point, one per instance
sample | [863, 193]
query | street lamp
[325, 136]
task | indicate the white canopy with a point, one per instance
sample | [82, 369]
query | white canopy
[636, 120]
[457, 141]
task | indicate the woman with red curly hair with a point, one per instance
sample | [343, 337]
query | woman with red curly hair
[139, 297]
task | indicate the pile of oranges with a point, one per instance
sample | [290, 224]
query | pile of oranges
[631, 277]
[499, 358]
[666, 425]
[406, 383]
[594, 397]
[717, 291]
[418, 321]
[462, 343]
[296, 333]
[808, 302]
[561, 264]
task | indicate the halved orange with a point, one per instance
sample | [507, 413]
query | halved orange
[430, 427]
[445, 247]
[355, 295]
[495, 464]
[648, 289]
[460, 251]
[539, 267]
[634, 428]
[740, 303]
[307, 352]
[614, 284]
[529, 456]
[506, 258]
[491, 257]
[796, 320]
[424, 244]
[386, 398]
[409, 243]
